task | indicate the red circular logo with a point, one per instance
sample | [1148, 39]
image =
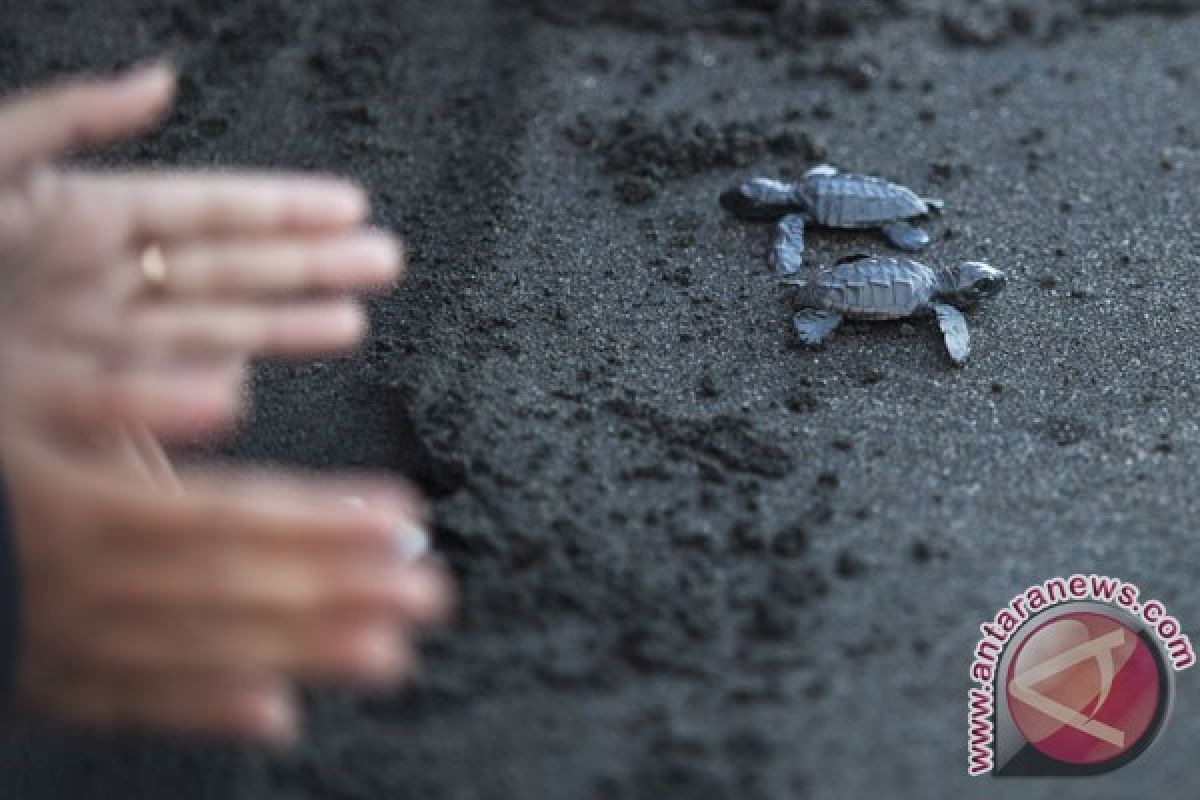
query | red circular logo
[1084, 688]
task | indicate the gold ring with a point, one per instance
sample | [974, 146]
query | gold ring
[154, 267]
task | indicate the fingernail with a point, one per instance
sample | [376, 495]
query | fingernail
[275, 718]
[411, 542]
[348, 203]
[351, 323]
[342, 325]
[377, 657]
[160, 73]
[378, 254]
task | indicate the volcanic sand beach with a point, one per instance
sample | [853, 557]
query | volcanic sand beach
[696, 558]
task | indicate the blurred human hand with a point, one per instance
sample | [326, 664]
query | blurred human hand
[187, 604]
[195, 610]
[255, 264]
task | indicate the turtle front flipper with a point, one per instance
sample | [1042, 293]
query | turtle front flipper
[815, 325]
[906, 237]
[787, 251]
[954, 331]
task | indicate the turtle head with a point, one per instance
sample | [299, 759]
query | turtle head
[760, 199]
[970, 282]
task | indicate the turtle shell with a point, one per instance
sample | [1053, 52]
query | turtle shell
[873, 287]
[859, 201]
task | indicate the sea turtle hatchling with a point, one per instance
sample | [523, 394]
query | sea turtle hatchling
[833, 199]
[864, 286]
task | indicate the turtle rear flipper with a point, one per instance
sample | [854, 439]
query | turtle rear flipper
[903, 236]
[815, 326]
[935, 204]
[954, 331]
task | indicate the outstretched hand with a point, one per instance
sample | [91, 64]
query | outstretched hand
[183, 603]
[194, 607]
[254, 265]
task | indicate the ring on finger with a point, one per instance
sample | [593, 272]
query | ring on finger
[154, 268]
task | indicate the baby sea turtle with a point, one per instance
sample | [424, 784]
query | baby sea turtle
[864, 286]
[833, 199]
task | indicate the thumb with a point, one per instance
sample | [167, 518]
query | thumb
[54, 122]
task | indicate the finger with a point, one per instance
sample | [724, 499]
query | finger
[223, 269]
[411, 542]
[54, 122]
[261, 708]
[214, 581]
[284, 513]
[326, 648]
[172, 402]
[173, 329]
[180, 206]
[430, 595]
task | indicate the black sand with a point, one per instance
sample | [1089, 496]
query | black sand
[697, 560]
